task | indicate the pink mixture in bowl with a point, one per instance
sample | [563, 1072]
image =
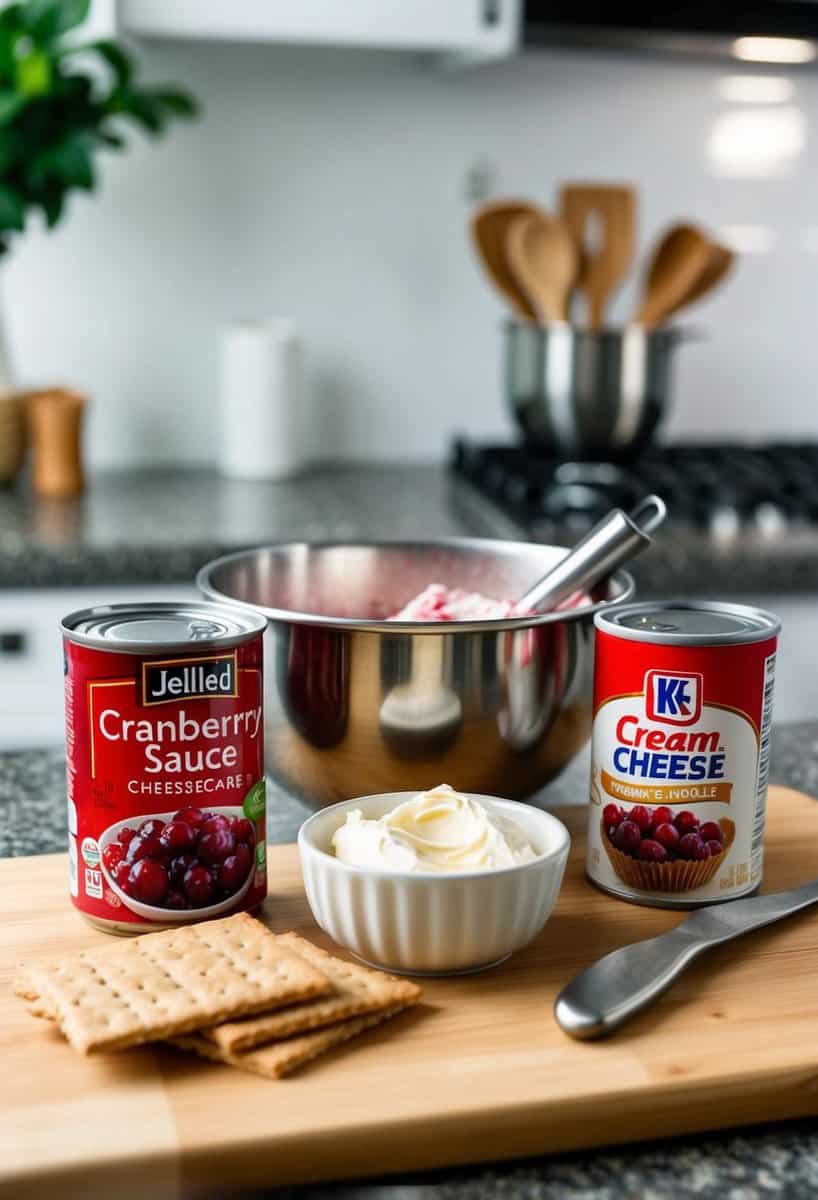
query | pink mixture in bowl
[439, 603]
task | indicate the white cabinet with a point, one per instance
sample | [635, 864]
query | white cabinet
[463, 30]
[31, 671]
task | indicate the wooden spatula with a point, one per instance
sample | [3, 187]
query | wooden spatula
[681, 256]
[489, 227]
[719, 264]
[545, 261]
[604, 263]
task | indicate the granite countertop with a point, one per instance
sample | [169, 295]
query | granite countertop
[160, 526]
[750, 1164]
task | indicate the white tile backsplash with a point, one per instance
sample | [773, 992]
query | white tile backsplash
[330, 187]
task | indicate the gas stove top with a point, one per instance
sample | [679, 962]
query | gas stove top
[724, 490]
[734, 512]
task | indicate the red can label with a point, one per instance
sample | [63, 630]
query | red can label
[165, 773]
[679, 765]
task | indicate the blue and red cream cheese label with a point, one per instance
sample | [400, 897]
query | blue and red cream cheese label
[679, 765]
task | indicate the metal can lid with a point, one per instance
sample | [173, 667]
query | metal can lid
[143, 628]
[689, 623]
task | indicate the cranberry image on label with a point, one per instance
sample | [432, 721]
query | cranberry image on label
[680, 751]
[164, 738]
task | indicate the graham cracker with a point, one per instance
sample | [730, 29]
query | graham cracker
[162, 984]
[357, 990]
[282, 1058]
[40, 1008]
[36, 1004]
[24, 987]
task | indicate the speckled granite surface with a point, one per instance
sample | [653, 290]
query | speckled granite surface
[154, 527]
[755, 1164]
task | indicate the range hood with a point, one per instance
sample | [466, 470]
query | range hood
[773, 31]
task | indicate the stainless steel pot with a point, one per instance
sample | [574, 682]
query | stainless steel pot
[585, 395]
[356, 704]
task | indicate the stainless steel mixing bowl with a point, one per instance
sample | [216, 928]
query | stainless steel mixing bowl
[592, 395]
[356, 705]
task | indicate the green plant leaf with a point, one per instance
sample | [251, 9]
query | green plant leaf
[141, 107]
[52, 205]
[11, 17]
[12, 209]
[45, 20]
[180, 103]
[33, 72]
[73, 13]
[106, 138]
[70, 161]
[10, 104]
[11, 148]
[41, 20]
[116, 58]
[10, 34]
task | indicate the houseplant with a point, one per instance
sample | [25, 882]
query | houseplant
[61, 102]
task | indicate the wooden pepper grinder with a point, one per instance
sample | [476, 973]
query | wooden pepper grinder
[55, 422]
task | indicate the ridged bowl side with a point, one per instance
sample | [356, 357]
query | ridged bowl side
[459, 926]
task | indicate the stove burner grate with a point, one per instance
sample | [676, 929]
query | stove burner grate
[713, 487]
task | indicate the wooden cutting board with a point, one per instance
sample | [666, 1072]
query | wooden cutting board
[479, 1071]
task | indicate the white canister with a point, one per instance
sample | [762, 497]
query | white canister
[262, 423]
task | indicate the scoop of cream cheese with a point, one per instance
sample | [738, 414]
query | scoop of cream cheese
[438, 830]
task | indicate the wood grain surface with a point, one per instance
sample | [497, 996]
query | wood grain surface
[478, 1071]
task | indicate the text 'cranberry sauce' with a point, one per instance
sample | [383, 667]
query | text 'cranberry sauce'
[165, 763]
[683, 696]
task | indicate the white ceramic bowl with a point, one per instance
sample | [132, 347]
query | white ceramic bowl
[432, 924]
[175, 916]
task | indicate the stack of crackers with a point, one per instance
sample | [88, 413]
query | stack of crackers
[227, 990]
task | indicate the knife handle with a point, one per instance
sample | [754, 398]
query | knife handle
[623, 983]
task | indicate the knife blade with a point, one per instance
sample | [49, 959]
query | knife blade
[616, 987]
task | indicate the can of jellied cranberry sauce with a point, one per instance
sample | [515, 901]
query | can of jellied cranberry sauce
[683, 696]
[165, 772]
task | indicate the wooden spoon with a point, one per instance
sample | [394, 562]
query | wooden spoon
[545, 261]
[676, 266]
[489, 227]
[720, 262]
[604, 265]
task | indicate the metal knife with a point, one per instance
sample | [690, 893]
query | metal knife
[621, 984]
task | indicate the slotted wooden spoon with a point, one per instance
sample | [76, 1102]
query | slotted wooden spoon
[680, 258]
[611, 212]
[543, 257]
[489, 227]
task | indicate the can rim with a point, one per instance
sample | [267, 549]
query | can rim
[248, 623]
[768, 624]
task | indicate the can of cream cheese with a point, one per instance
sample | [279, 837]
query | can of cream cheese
[683, 696]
